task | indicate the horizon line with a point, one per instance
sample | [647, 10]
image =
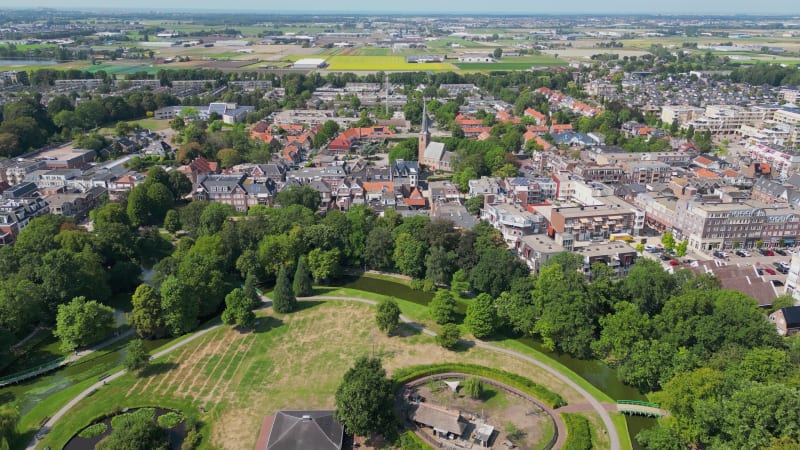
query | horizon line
[234, 10]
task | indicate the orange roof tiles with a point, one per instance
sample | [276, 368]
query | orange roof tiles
[705, 173]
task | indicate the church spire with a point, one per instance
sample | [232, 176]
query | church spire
[425, 119]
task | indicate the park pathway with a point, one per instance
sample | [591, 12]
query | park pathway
[597, 407]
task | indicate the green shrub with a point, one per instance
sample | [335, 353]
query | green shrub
[93, 430]
[406, 374]
[410, 441]
[140, 415]
[579, 433]
[416, 284]
[448, 336]
[170, 419]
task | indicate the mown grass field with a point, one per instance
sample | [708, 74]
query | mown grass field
[231, 380]
[365, 63]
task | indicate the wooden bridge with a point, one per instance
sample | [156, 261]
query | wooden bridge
[637, 408]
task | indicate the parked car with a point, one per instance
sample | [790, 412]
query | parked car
[781, 252]
[766, 252]
[777, 283]
[760, 272]
[742, 253]
[674, 262]
[769, 271]
[665, 257]
[783, 270]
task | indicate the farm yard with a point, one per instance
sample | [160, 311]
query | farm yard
[230, 380]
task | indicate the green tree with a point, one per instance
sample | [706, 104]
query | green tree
[648, 286]
[136, 433]
[388, 315]
[212, 218]
[620, 330]
[9, 416]
[765, 411]
[497, 53]
[299, 195]
[473, 387]
[172, 221]
[80, 323]
[668, 240]
[681, 248]
[239, 309]
[302, 279]
[379, 249]
[440, 265]
[474, 205]
[179, 184]
[459, 284]
[409, 255]
[180, 310]
[443, 307]
[324, 265]
[481, 318]
[146, 316]
[283, 299]
[136, 357]
[365, 399]
[448, 336]
[139, 206]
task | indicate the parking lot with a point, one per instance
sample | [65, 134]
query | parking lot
[756, 260]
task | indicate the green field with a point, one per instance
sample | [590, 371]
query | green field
[398, 63]
[116, 69]
[230, 380]
[514, 63]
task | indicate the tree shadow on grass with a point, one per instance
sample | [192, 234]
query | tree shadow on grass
[157, 369]
[307, 304]
[405, 330]
[323, 290]
[263, 324]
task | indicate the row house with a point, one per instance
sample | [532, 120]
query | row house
[602, 174]
[236, 190]
[349, 192]
[485, 186]
[783, 161]
[405, 172]
[275, 171]
[513, 221]
[530, 191]
[443, 191]
[659, 211]
[348, 139]
[75, 204]
[18, 205]
[647, 172]
[618, 256]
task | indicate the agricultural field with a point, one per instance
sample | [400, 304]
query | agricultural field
[514, 63]
[230, 379]
[388, 63]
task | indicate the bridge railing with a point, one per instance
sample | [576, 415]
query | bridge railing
[30, 373]
[638, 403]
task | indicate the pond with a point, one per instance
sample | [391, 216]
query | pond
[595, 372]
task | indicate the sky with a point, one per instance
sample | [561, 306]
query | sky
[767, 7]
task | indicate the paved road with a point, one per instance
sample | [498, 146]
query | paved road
[613, 436]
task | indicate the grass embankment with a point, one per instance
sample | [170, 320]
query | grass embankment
[523, 384]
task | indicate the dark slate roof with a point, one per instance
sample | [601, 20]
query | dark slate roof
[21, 190]
[792, 316]
[317, 430]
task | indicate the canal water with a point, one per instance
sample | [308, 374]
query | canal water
[595, 372]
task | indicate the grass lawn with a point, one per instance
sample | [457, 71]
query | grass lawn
[290, 361]
[398, 63]
[120, 69]
[147, 123]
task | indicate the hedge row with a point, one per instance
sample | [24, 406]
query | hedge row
[523, 384]
[579, 432]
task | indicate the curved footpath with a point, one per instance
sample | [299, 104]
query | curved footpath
[613, 436]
